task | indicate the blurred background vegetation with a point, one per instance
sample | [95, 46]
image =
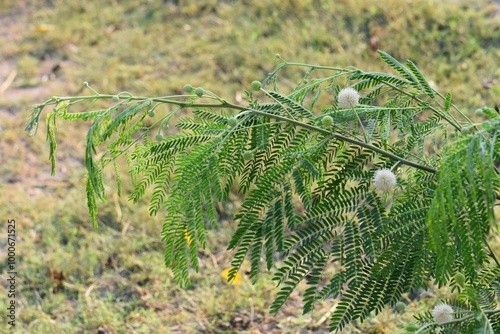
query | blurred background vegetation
[73, 278]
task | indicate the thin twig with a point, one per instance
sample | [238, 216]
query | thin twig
[227, 105]
[492, 254]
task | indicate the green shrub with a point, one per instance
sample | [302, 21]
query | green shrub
[384, 195]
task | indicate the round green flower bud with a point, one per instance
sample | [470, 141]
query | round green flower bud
[151, 113]
[327, 121]
[232, 121]
[85, 83]
[400, 306]
[256, 85]
[159, 137]
[115, 98]
[453, 134]
[165, 126]
[479, 112]
[188, 88]
[248, 155]
[199, 91]
[465, 131]
[460, 279]
[411, 327]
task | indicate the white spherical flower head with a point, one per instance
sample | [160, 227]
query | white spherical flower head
[442, 313]
[384, 180]
[348, 98]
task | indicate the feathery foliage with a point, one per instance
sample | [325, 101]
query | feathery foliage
[312, 197]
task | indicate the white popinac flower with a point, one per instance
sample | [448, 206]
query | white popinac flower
[442, 313]
[384, 180]
[348, 98]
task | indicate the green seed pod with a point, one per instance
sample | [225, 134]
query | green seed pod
[232, 121]
[188, 88]
[460, 279]
[327, 121]
[248, 155]
[159, 137]
[400, 306]
[199, 91]
[115, 98]
[465, 131]
[411, 327]
[479, 112]
[453, 134]
[151, 113]
[256, 85]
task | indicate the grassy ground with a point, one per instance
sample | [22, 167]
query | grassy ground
[76, 279]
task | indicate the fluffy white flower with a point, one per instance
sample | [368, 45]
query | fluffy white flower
[442, 313]
[348, 98]
[384, 180]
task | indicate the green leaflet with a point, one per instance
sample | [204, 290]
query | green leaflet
[421, 80]
[51, 138]
[376, 77]
[447, 102]
[84, 115]
[294, 108]
[462, 214]
[124, 117]
[391, 61]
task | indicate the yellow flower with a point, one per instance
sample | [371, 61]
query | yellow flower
[44, 27]
[187, 237]
[236, 278]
